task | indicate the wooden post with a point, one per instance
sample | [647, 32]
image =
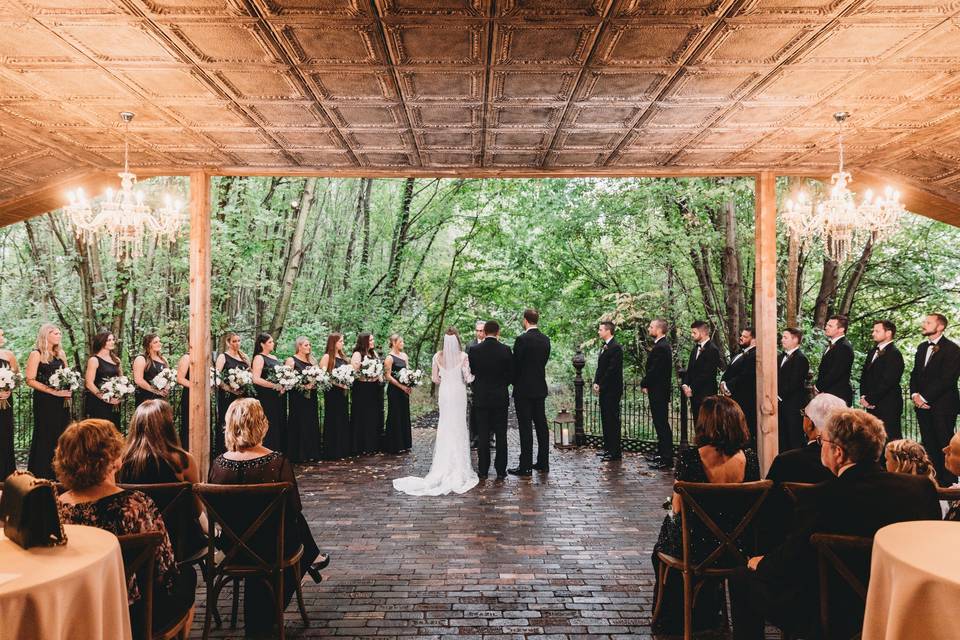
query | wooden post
[765, 309]
[200, 320]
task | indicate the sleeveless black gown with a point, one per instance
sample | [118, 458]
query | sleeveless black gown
[185, 416]
[51, 415]
[336, 421]
[8, 462]
[93, 406]
[366, 416]
[224, 400]
[149, 373]
[274, 407]
[397, 437]
[303, 422]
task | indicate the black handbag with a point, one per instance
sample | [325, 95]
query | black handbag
[28, 509]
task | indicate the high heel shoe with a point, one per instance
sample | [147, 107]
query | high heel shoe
[318, 566]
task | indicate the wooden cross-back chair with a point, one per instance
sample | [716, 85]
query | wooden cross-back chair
[847, 557]
[177, 506]
[702, 502]
[139, 552]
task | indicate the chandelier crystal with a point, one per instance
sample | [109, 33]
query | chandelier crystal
[123, 215]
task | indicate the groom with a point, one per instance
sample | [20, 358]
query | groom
[491, 364]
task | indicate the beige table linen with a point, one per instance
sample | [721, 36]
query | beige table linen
[76, 591]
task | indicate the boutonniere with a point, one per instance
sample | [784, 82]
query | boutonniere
[936, 348]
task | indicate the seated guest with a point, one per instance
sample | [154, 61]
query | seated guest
[154, 456]
[951, 461]
[784, 584]
[907, 456]
[247, 461]
[803, 464]
[720, 456]
[87, 458]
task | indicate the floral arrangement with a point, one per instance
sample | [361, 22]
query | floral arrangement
[343, 375]
[164, 379]
[410, 377]
[240, 381]
[64, 379]
[116, 388]
[371, 369]
[286, 377]
[9, 379]
[215, 379]
[313, 377]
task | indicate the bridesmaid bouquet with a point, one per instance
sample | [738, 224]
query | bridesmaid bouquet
[316, 376]
[116, 388]
[9, 379]
[215, 379]
[410, 378]
[240, 381]
[286, 377]
[343, 375]
[164, 379]
[371, 369]
[64, 379]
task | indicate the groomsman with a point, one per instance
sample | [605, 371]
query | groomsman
[792, 389]
[656, 383]
[705, 362]
[833, 375]
[933, 389]
[608, 385]
[880, 392]
[739, 381]
[471, 417]
[531, 350]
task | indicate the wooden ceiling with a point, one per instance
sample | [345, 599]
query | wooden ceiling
[478, 87]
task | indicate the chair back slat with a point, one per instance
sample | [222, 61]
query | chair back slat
[139, 552]
[847, 557]
[797, 491]
[176, 503]
[950, 494]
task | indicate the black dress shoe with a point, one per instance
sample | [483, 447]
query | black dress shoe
[542, 467]
[520, 472]
[482, 476]
[611, 458]
[652, 457]
[661, 466]
[315, 568]
[602, 453]
[501, 476]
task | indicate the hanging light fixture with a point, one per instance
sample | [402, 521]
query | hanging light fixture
[123, 215]
[837, 218]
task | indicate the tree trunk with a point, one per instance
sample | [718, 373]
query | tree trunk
[793, 276]
[701, 266]
[399, 244]
[295, 259]
[366, 185]
[121, 297]
[827, 293]
[856, 277]
[734, 299]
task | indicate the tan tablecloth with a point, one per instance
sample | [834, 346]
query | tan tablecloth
[74, 591]
[914, 582]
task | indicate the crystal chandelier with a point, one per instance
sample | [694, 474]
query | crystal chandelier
[123, 215]
[837, 218]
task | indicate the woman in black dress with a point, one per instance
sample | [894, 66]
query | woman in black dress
[397, 437]
[51, 407]
[337, 441]
[102, 366]
[271, 395]
[303, 421]
[8, 462]
[230, 358]
[366, 400]
[183, 379]
[146, 366]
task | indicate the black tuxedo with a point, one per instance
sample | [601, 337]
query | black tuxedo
[880, 385]
[471, 418]
[531, 350]
[609, 377]
[701, 375]
[937, 383]
[792, 389]
[657, 381]
[740, 379]
[799, 465]
[491, 364]
[833, 376]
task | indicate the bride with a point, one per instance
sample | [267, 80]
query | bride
[450, 469]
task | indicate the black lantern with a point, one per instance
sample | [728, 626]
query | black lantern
[563, 430]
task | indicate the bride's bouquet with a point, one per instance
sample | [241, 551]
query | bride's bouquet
[410, 377]
[64, 379]
[240, 381]
[116, 388]
[9, 379]
[343, 375]
[313, 377]
[371, 369]
[286, 377]
[164, 379]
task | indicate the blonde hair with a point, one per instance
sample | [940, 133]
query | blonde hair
[43, 344]
[245, 424]
[392, 339]
[299, 343]
[227, 337]
[910, 457]
[85, 452]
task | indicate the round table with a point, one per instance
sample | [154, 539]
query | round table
[77, 590]
[914, 582]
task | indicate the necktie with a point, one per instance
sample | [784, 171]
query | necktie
[786, 356]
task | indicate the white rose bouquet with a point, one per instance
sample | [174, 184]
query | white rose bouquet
[164, 379]
[343, 375]
[116, 388]
[64, 379]
[371, 369]
[9, 379]
[314, 377]
[215, 377]
[286, 377]
[410, 377]
[240, 381]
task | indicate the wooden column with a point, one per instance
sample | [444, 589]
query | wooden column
[200, 320]
[765, 310]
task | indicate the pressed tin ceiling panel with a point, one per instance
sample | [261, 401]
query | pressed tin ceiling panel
[447, 86]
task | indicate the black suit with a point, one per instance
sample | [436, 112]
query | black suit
[471, 418]
[491, 363]
[937, 383]
[531, 350]
[740, 379]
[701, 375]
[609, 377]
[833, 376]
[792, 389]
[799, 465]
[880, 385]
[657, 381]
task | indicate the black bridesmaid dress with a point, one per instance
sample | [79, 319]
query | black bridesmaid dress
[303, 422]
[8, 462]
[51, 415]
[336, 421]
[149, 373]
[224, 400]
[185, 416]
[274, 407]
[94, 407]
[366, 416]
[397, 436]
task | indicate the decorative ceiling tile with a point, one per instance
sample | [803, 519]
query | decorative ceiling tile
[46, 113]
[514, 159]
[713, 86]
[420, 8]
[799, 84]
[333, 43]
[430, 116]
[368, 116]
[791, 7]
[74, 83]
[387, 159]
[678, 8]
[441, 85]
[658, 44]
[620, 86]
[260, 84]
[681, 115]
[363, 140]
[215, 43]
[354, 85]
[205, 115]
[540, 8]
[604, 115]
[532, 43]
[514, 86]
[576, 158]
[574, 139]
[113, 43]
[323, 159]
[748, 43]
[279, 114]
[450, 158]
[531, 116]
[249, 137]
[168, 83]
[23, 41]
[319, 8]
[440, 139]
[307, 138]
[861, 43]
[166, 8]
[436, 43]
[518, 139]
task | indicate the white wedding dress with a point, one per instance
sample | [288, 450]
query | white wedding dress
[450, 470]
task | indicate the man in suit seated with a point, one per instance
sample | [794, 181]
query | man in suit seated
[803, 464]
[783, 585]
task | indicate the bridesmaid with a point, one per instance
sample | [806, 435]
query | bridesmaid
[183, 379]
[146, 366]
[230, 358]
[270, 394]
[8, 463]
[51, 407]
[336, 421]
[398, 436]
[102, 365]
[366, 411]
[303, 422]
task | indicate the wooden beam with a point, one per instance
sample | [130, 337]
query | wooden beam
[765, 310]
[200, 320]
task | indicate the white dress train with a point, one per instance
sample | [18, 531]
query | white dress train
[451, 470]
